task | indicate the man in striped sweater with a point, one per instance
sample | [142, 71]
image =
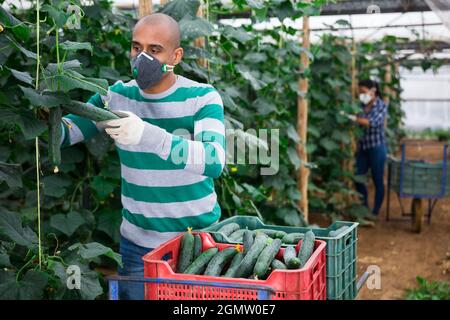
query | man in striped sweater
[171, 145]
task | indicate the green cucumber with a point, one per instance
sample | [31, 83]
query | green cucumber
[229, 228]
[306, 248]
[236, 235]
[237, 259]
[337, 232]
[278, 234]
[186, 253]
[290, 258]
[219, 261]
[247, 264]
[248, 239]
[292, 238]
[199, 264]
[277, 264]
[54, 137]
[266, 257]
[93, 113]
[197, 246]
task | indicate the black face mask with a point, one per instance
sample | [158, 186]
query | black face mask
[147, 70]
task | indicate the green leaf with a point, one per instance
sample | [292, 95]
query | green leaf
[90, 285]
[256, 4]
[19, 28]
[103, 187]
[109, 73]
[67, 224]
[70, 79]
[236, 200]
[93, 250]
[30, 126]
[240, 35]
[57, 15]
[11, 226]
[75, 46]
[194, 28]
[329, 144]
[45, 99]
[4, 260]
[292, 134]
[99, 145]
[11, 174]
[31, 287]
[264, 106]
[55, 185]
[25, 119]
[7, 50]
[250, 76]
[177, 9]
[109, 222]
[26, 52]
[28, 214]
[52, 68]
[293, 157]
[21, 76]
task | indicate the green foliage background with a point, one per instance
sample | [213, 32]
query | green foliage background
[256, 72]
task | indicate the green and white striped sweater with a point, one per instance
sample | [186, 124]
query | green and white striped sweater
[167, 179]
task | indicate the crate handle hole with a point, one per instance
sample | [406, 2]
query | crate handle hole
[347, 242]
[167, 256]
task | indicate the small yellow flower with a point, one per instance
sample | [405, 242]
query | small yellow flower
[234, 169]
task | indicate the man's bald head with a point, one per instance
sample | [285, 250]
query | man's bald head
[163, 22]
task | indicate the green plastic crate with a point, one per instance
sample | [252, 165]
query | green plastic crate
[419, 178]
[340, 251]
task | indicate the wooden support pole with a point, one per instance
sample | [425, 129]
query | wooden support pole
[302, 123]
[349, 163]
[145, 8]
[200, 42]
[387, 82]
[387, 86]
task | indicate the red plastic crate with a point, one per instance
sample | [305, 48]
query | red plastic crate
[307, 283]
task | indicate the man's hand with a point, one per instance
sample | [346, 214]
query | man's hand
[349, 116]
[127, 130]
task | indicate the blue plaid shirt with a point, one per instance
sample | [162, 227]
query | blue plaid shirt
[374, 134]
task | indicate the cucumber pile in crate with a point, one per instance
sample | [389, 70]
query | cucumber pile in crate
[341, 238]
[254, 259]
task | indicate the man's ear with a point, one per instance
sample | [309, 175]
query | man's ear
[178, 55]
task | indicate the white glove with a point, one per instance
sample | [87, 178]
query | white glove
[127, 130]
[349, 116]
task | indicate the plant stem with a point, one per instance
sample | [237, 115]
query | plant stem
[24, 266]
[37, 139]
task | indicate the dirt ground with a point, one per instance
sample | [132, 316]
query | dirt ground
[401, 254]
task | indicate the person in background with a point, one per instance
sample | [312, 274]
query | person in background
[372, 150]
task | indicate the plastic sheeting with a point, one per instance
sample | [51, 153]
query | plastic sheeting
[426, 98]
[442, 10]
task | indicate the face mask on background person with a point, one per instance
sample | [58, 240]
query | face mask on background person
[147, 70]
[365, 98]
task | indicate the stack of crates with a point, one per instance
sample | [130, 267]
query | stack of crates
[340, 251]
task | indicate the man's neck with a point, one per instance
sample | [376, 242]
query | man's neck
[165, 83]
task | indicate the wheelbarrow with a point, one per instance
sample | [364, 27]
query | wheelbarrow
[419, 180]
